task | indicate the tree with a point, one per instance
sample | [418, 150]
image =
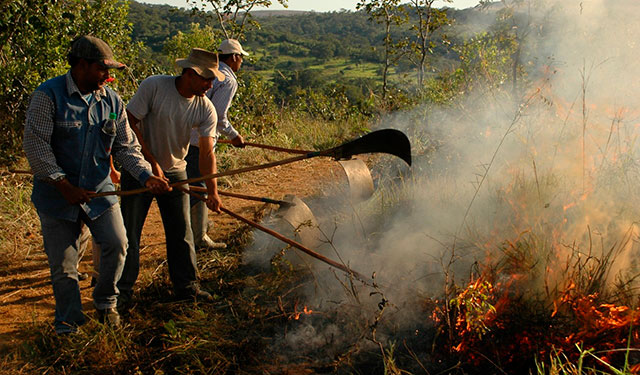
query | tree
[233, 16]
[181, 44]
[388, 13]
[429, 20]
[514, 24]
[35, 37]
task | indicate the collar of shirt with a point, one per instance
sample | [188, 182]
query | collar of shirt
[226, 70]
[73, 88]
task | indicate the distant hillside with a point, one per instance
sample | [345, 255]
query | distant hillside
[344, 45]
[270, 13]
[153, 24]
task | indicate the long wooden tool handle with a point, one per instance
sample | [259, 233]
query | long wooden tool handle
[293, 243]
[269, 147]
[215, 175]
[243, 196]
[283, 238]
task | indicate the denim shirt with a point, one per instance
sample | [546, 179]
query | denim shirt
[66, 136]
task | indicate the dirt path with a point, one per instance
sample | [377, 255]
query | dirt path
[25, 290]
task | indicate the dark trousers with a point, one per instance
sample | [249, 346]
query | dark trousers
[174, 210]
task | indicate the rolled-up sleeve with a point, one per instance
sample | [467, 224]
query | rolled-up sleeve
[207, 126]
[38, 129]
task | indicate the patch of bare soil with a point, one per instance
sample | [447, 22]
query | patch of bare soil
[26, 296]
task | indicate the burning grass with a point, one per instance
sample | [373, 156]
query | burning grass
[500, 322]
[555, 279]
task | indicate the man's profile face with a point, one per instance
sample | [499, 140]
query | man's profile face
[236, 62]
[199, 85]
[95, 75]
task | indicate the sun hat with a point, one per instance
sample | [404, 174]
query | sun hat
[89, 47]
[203, 62]
[231, 46]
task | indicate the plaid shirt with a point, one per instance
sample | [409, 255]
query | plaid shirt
[66, 136]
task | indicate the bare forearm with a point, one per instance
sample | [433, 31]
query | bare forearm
[208, 167]
[207, 161]
[133, 123]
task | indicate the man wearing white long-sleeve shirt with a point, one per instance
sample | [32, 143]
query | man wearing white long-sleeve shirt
[221, 94]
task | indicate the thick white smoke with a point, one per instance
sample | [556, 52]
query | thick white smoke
[555, 168]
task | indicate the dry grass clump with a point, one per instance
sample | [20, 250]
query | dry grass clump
[94, 349]
[165, 336]
[19, 221]
[550, 281]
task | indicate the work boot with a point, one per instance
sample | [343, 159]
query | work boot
[199, 224]
[124, 304]
[194, 294]
[208, 244]
[109, 317]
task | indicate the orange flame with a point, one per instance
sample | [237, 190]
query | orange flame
[296, 314]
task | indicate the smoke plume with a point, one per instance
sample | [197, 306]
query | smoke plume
[526, 177]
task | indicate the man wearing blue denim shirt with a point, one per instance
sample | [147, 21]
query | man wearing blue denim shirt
[73, 124]
[162, 113]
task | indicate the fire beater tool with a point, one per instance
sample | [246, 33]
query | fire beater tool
[387, 141]
[277, 235]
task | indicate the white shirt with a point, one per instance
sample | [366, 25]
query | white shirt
[167, 118]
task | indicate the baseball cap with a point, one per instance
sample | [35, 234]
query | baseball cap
[231, 46]
[91, 48]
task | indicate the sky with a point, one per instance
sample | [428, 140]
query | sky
[318, 6]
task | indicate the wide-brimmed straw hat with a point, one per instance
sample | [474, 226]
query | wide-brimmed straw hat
[203, 62]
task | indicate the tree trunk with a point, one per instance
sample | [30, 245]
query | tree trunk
[387, 52]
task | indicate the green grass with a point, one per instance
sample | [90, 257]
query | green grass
[334, 69]
[560, 364]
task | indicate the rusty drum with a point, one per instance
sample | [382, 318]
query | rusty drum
[302, 222]
[359, 179]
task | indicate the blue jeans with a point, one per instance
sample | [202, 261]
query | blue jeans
[61, 242]
[174, 210]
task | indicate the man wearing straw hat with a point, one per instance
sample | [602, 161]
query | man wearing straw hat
[221, 95]
[74, 124]
[162, 113]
